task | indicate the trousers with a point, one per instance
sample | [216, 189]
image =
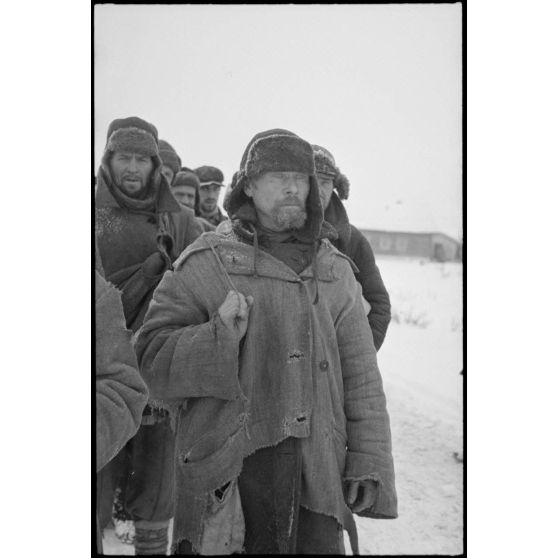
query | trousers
[276, 523]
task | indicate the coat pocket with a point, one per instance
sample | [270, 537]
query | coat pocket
[213, 460]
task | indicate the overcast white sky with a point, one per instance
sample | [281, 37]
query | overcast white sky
[377, 85]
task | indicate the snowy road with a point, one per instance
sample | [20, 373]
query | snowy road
[426, 430]
[420, 366]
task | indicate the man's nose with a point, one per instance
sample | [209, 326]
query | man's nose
[133, 166]
[291, 186]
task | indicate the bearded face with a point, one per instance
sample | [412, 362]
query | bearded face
[288, 215]
[131, 172]
[280, 199]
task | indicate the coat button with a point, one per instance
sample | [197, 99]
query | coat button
[324, 365]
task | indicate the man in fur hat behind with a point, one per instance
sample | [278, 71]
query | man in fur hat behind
[211, 182]
[334, 187]
[186, 189]
[271, 371]
[140, 230]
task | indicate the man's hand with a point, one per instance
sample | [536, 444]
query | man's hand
[234, 313]
[360, 495]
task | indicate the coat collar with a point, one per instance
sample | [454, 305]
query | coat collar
[238, 259]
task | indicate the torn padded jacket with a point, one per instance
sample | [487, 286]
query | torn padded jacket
[304, 370]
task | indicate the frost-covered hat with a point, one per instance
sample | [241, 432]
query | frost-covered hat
[276, 150]
[210, 175]
[133, 135]
[169, 156]
[325, 164]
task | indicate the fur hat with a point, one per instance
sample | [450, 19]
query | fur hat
[186, 177]
[133, 135]
[276, 150]
[210, 175]
[169, 156]
[325, 164]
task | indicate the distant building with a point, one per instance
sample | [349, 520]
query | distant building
[434, 246]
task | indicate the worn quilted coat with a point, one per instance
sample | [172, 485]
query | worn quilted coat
[306, 368]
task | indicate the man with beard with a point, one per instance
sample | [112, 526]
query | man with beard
[185, 188]
[271, 371]
[211, 182]
[140, 230]
[334, 187]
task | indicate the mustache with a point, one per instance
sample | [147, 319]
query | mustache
[292, 200]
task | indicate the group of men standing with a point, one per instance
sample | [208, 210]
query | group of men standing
[256, 415]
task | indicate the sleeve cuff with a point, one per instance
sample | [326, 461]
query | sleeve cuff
[359, 466]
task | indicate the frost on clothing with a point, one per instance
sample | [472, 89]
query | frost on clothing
[129, 239]
[315, 378]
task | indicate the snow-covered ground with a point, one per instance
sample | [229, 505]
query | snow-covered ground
[420, 363]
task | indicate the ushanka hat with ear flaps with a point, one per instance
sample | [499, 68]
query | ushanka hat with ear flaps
[325, 164]
[276, 150]
[132, 135]
[169, 156]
